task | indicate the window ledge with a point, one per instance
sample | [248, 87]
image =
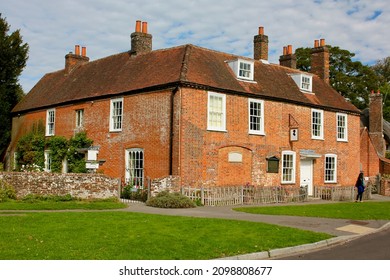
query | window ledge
[246, 80]
[256, 133]
[216, 130]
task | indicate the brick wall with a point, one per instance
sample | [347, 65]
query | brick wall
[146, 125]
[368, 156]
[201, 157]
[84, 186]
[204, 154]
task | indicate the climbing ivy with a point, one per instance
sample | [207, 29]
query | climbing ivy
[76, 160]
[31, 148]
[58, 146]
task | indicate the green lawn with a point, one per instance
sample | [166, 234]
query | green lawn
[347, 210]
[134, 236]
[63, 205]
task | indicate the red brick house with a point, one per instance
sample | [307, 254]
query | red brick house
[208, 117]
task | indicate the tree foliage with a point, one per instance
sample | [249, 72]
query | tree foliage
[30, 149]
[382, 69]
[13, 57]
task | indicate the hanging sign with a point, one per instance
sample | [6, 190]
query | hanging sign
[293, 134]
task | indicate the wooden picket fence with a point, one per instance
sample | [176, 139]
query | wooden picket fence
[244, 195]
[335, 193]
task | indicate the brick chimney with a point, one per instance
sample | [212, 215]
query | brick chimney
[376, 122]
[320, 60]
[141, 41]
[288, 59]
[76, 59]
[260, 45]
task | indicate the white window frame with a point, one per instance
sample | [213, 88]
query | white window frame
[50, 122]
[48, 160]
[332, 169]
[303, 81]
[342, 129]
[116, 118]
[135, 170]
[251, 116]
[321, 124]
[80, 118]
[212, 115]
[291, 166]
[243, 69]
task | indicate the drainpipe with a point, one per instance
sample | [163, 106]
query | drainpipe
[171, 124]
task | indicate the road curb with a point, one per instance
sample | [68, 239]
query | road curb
[284, 252]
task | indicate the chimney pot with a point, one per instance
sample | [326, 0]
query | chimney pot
[289, 49]
[84, 51]
[77, 49]
[316, 43]
[284, 50]
[322, 42]
[138, 26]
[261, 30]
[141, 41]
[145, 27]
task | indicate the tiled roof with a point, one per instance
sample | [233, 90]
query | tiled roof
[186, 65]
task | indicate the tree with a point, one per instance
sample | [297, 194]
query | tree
[13, 57]
[382, 69]
[351, 79]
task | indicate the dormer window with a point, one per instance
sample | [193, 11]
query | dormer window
[303, 81]
[242, 68]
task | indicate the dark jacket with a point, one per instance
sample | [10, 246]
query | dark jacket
[360, 184]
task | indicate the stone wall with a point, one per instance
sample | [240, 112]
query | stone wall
[85, 186]
[385, 187]
[170, 183]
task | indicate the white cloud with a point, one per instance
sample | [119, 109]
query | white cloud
[52, 28]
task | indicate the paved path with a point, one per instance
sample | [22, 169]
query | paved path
[336, 227]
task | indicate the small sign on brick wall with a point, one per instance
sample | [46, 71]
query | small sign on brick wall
[235, 157]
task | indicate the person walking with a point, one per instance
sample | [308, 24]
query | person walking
[360, 187]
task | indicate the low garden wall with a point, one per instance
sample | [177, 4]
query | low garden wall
[385, 187]
[85, 186]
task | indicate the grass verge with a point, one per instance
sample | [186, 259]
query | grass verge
[342, 210]
[136, 236]
[98, 204]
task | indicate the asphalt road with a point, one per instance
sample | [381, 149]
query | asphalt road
[375, 246]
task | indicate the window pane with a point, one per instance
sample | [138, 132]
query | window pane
[341, 127]
[216, 112]
[136, 168]
[117, 108]
[316, 123]
[255, 112]
[330, 169]
[287, 167]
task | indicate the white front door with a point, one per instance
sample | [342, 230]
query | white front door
[307, 175]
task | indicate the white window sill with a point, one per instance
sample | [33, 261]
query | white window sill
[259, 133]
[216, 130]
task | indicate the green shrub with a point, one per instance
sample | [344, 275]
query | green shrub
[6, 191]
[170, 200]
[129, 192]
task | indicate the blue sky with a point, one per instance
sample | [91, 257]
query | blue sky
[52, 28]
